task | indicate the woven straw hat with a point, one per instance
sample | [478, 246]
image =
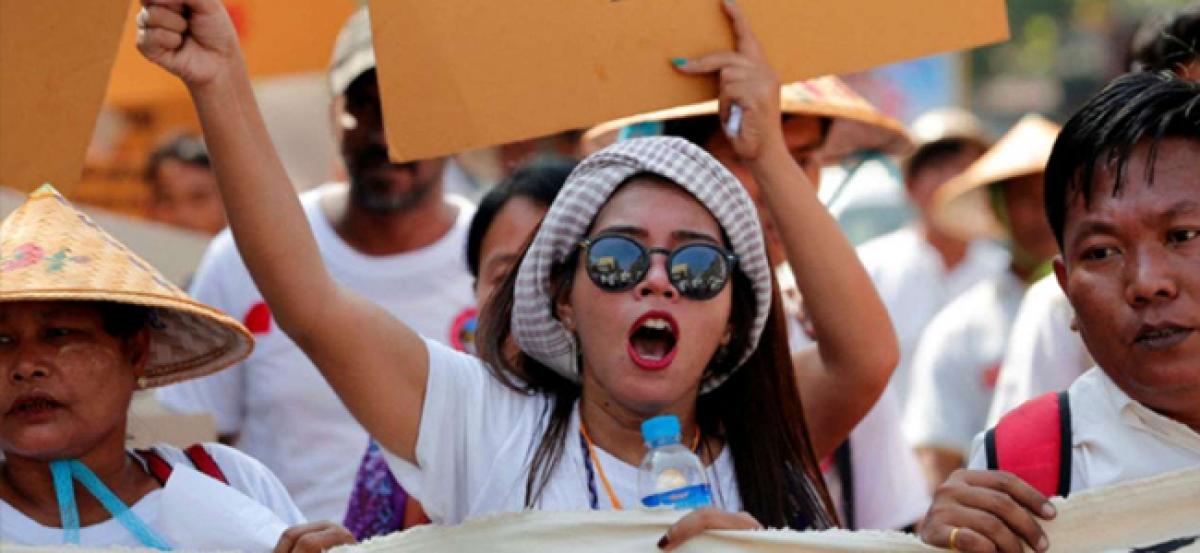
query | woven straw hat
[857, 125]
[50, 251]
[962, 205]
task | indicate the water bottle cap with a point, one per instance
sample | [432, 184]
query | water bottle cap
[661, 427]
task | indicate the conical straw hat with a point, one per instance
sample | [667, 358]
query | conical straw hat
[50, 251]
[857, 125]
[962, 205]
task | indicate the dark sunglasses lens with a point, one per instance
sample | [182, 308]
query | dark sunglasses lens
[616, 263]
[699, 271]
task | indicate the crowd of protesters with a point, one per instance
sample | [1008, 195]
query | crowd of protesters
[382, 353]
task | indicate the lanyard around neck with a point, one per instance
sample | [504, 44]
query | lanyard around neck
[63, 471]
[590, 459]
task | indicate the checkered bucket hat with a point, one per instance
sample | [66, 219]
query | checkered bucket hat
[536, 330]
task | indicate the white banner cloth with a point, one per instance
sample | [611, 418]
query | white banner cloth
[1163, 512]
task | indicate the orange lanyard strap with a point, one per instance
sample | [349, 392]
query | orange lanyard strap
[595, 461]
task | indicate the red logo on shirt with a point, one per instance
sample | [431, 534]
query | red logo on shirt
[991, 375]
[258, 319]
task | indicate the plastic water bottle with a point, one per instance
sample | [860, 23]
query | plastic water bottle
[671, 475]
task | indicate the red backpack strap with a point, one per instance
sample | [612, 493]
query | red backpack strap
[204, 462]
[159, 468]
[1033, 442]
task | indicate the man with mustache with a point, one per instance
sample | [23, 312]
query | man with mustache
[391, 234]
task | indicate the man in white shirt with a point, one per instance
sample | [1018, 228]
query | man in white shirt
[959, 354]
[1123, 199]
[391, 235]
[1044, 352]
[918, 269]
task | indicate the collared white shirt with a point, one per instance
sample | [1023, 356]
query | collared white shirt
[1114, 438]
[956, 363]
[914, 284]
[1044, 354]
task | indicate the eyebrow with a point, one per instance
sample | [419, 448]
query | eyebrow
[678, 235]
[1183, 207]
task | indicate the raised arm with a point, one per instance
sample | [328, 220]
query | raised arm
[844, 375]
[376, 364]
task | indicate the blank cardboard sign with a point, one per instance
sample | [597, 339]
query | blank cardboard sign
[462, 74]
[55, 59]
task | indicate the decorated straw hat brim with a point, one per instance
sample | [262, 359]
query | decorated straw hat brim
[962, 206]
[50, 251]
[856, 126]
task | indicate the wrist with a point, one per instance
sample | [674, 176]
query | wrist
[223, 82]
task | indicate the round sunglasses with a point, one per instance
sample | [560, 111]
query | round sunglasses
[616, 262]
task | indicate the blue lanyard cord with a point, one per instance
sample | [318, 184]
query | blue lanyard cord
[64, 491]
[70, 512]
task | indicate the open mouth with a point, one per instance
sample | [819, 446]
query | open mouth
[1163, 337]
[652, 340]
[33, 405]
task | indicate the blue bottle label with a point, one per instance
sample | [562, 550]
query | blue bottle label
[688, 497]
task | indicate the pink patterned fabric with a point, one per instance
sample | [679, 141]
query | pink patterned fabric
[535, 328]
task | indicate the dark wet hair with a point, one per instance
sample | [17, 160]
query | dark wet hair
[757, 411]
[1167, 41]
[539, 182]
[185, 148]
[1134, 108]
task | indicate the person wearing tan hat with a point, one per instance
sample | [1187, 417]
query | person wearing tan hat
[84, 323]
[873, 476]
[390, 222]
[959, 355]
[919, 268]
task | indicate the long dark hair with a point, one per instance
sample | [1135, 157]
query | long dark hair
[757, 410]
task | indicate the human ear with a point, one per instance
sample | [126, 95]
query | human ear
[565, 313]
[137, 351]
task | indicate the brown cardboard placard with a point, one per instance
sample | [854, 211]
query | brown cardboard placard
[461, 74]
[278, 37]
[55, 59]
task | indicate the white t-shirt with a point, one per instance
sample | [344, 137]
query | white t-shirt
[284, 412]
[249, 479]
[957, 362]
[887, 481]
[913, 283]
[1114, 438]
[1044, 354]
[477, 438]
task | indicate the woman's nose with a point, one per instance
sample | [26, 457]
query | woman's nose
[657, 281]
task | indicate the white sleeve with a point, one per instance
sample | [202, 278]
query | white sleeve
[221, 393]
[467, 417]
[939, 410]
[889, 488]
[256, 481]
[978, 458]
[1043, 355]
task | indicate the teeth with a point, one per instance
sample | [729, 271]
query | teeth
[656, 324]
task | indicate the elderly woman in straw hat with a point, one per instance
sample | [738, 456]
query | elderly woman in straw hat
[84, 323]
[646, 291]
[956, 362]
[874, 477]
